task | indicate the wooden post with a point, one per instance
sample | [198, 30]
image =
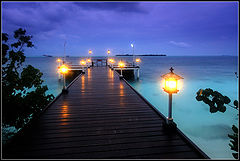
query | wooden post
[138, 73]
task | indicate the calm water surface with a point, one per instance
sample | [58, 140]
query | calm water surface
[208, 130]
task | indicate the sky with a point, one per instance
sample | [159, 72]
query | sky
[171, 28]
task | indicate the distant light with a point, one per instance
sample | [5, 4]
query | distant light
[132, 45]
[89, 60]
[171, 82]
[108, 51]
[82, 62]
[59, 60]
[90, 51]
[138, 60]
[121, 64]
[63, 69]
[111, 60]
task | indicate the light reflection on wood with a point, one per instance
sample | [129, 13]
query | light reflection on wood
[89, 73]
[121, 99]
[83, 82]
[64, 115]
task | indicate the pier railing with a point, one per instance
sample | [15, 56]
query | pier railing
[183, 136]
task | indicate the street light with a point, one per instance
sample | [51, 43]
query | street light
[170, 85]
[108, 53]
[64, 70]
[112, 62]
[138, 60]
[83, 63]
[133, 53]
[59, 60]
[90, 53]
[121, 65]
[89, 62]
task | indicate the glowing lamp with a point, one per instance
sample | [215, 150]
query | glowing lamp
[170, 86]
[138, 60]
[121, 64]
[89, 60]
[171, 82]
[111, 60]
[90, 51]
[59, 60]
[63, 69]
[108, 51]
[82, 62]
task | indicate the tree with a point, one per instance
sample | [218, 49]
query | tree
[23, 94]
[217, 102]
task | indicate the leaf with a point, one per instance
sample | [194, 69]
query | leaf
[226, 100]
[235, 103]
[235, 129]
[235, 155]
[199, 98]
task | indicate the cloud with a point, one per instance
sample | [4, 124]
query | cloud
[35, 17]
[179, 44]
[113, 6]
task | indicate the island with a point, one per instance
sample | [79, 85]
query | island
[141, 55]
[47, 55]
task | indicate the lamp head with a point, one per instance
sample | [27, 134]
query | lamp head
[121, 64]
[82, 62]
[138, 60]
[171, 82]
[63, 69]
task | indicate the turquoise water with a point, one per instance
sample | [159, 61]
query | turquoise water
[209, 131]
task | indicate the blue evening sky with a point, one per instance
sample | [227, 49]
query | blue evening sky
[172, 28]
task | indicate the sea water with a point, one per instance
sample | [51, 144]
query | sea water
[209, 131]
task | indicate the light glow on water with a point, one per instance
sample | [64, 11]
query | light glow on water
[209, 131]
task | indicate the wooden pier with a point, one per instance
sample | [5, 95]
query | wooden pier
[100, 117]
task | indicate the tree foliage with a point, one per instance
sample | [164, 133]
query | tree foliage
[234, 141]
[216, 102]
[23, 94]
[214, 99]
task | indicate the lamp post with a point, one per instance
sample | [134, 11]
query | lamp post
[89, 62]
[83, 63]
[59, 60]
[112, 62]
[171, 87]
[133, 53]
[108, 53]
[90, 53]
[121, 65]
[64, 70]
[64, 59]
[138, 60]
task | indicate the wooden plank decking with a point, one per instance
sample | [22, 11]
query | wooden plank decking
[100, 117]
